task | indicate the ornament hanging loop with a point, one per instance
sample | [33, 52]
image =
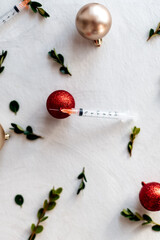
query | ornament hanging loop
[3, 136]
[98, 42]
[7, 136]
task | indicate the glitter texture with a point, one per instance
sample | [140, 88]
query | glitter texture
[57, 100]
[150, 196]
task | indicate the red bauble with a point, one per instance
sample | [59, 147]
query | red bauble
[58, 100]
[150, 196]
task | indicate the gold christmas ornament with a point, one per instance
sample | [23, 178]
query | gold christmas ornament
[3, 137]
[93, 21]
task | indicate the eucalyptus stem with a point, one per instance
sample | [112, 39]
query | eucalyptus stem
[135, 132]
[2, 58]
[48, 205]
[59, 59]
[37, 7]
[33, 233]
[83, 178]
[127, 213]
[30, 135]
[153, 33]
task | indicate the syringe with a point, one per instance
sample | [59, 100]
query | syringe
[16, 9]
[98, 114]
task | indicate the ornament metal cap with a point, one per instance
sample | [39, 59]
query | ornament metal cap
[3, 137]
[93, 22]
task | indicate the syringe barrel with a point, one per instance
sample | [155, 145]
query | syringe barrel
[7, 16]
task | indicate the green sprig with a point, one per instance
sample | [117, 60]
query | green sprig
[2, 58]
[127, 213]
[59, 59]
[36, 7]
[135, 132]
[83, 178]
[153, 33]
[48, 205]
[28, 132]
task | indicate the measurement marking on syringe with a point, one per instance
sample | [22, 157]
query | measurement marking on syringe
[16, 9]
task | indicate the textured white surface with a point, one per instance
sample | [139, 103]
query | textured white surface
[124, 74]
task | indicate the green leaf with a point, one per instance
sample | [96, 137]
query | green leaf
[78, 192]
[51, 193]
[126, 212]
[17, 129]
[147, 218]
[156, 228]
[85, 178]
[81, 187]
[40, 213]
[129, 211]
[1, 60]
[125, 215]
[33, 9]
[32, 227]
[39, 229]
[29, 129]
[42, 12]
[134, 130]
[33, 137]
[4, 54]
[2, 69]
[19, 200]
[45, 204]
[35, 4]
[14, 106]
[130, 144]
[151, 32]
[64, 70]
[53, 55]
[61, 59]
[59, 190]
[53, 196]
[43, 219]
[137, 130]
[81, 176]
[130, 215]
[51, 205]
[134, 218]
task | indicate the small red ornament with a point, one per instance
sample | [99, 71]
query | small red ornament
[58, 100]
[150, 196]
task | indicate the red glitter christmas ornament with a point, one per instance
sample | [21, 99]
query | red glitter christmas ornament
[58, 100]
[150, 196]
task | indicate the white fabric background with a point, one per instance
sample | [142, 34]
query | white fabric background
[124, 74]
